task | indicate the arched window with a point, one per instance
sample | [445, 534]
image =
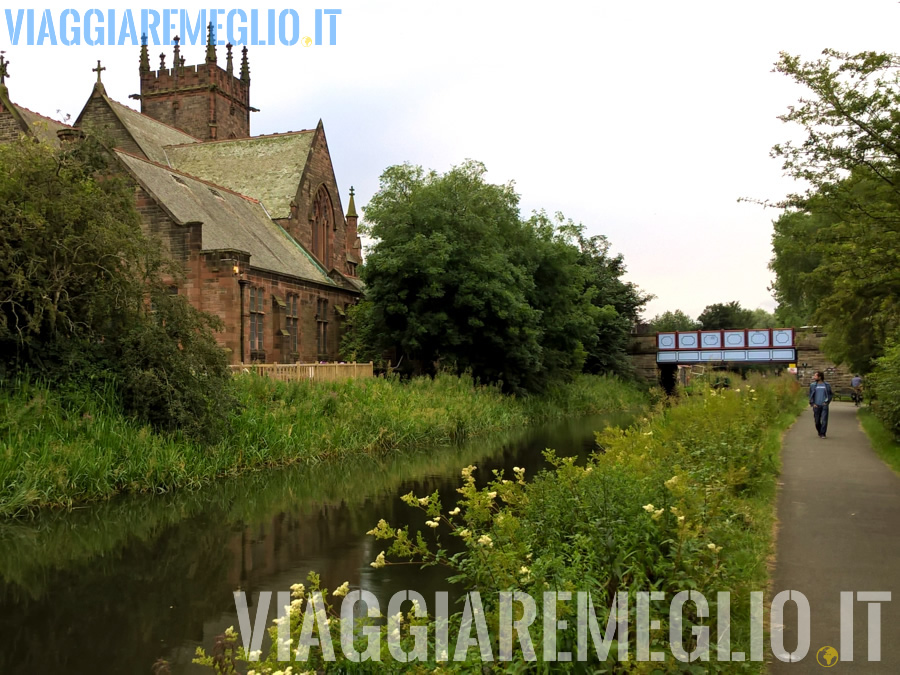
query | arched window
[322, 225]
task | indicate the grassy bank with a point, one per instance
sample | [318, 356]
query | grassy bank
[881, 438]
[684, 500]
[58, 448]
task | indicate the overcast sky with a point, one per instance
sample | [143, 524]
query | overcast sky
[645, 121]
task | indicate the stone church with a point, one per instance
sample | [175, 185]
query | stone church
[256, 222]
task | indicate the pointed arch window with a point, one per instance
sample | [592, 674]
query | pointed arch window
[322, 225]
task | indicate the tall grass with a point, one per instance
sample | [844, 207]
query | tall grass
[61, 447]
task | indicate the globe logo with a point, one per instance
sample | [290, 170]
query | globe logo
[306, 41]
[827, 656]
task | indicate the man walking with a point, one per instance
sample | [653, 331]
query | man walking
[820, 396]
[856, 383]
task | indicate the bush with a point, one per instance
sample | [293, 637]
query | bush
[883, 385]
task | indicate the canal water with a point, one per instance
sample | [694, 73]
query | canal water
[114, 587]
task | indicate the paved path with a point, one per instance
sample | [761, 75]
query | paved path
[839, 513]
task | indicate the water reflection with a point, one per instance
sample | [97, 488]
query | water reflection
[111, 588]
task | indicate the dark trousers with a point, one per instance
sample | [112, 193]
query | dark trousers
[820, 412]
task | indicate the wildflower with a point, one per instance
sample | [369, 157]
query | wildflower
[492, 494]
[648, 433]
[296, 603]
[737, 391]
[382, 525]
[485, 540]
[467, 472]
[398, 617]
[657, 514]
[680, 519]
[342, 590]
[712, 547]
[649, 508]
[424, 501]
[379, 561]
[674, 510]
[520, 473]
[455, 511]
[254, 656]
[230, 632]
[432, 523]
[524, 571]
[672, 482]
[297, 590]
[465, 534]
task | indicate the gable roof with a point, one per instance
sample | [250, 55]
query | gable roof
[229, 220]
[42, 128]
[268, 168]
[148, 133]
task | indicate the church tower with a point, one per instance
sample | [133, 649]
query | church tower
[205, 101]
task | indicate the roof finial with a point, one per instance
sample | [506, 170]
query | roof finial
[162, 61]
[210, 44]
[228, 63]
[4, 68]
[99, 69]
[351, 207]
[176, 61]
[145, 57]
[245, 66]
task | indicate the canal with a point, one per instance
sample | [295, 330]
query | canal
[112, 588]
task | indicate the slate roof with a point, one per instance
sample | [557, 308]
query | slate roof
[43, 128]
[150, 135]
[267, 168]
[230, 220]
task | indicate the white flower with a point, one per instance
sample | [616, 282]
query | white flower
[657, 514]
[455, 511]
[485, 540]
[297, 590]
[465, 534]
[672, 481]
[254, 656]
[342, 590]
[424, 501]
[492, 494]
[432, 523]
[379, 561]
[524, 570]
[680, 519]
[649, 508]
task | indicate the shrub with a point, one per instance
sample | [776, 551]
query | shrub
[883, 385]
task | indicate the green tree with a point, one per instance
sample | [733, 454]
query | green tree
[457, 279]
[764, 319]
[848, 215]
[671, 321]
[618, 303]
[84, 296]
[725, 315]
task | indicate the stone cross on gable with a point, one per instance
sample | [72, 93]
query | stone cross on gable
[99, 69]
[4, 70]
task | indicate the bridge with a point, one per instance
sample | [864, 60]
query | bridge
[656, 357]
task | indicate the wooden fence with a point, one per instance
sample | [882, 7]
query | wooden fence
[292, 372]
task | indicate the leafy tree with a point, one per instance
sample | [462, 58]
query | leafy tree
[764, 319]
[84, 297]
[672, 321]
[848, 215]
[725, 315]
[618, 303]
[456, 279]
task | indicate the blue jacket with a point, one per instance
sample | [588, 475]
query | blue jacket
[820, 393]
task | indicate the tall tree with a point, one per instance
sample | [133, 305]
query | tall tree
[836, 254]
[456, 279]
[725, 315]
[671, 321]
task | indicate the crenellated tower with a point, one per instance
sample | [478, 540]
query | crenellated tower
[205, 100]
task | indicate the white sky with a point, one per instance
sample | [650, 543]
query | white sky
[643, 120]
